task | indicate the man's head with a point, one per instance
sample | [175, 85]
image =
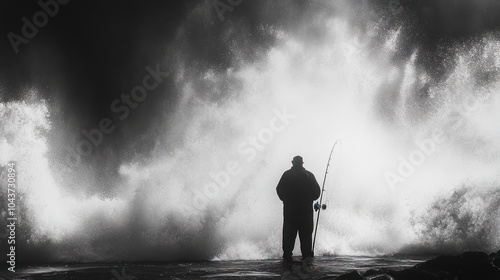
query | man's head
[297, 161]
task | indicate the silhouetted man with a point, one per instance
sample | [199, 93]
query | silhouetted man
[297, 189]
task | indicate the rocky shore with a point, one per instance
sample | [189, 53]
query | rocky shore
[467, 266]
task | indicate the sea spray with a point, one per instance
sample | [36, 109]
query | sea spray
[338, 83]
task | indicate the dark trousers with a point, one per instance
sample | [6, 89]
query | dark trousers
[301, 221]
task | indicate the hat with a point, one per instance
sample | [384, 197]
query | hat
[297, 159]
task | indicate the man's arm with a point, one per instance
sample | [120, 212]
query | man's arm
[280, 189]
[316, 191]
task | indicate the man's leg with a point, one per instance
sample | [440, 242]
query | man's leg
[289, 234]
[305, 236]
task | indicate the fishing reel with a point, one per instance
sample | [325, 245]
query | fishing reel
[317, 206]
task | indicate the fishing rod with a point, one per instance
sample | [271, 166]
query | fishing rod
[319, 206]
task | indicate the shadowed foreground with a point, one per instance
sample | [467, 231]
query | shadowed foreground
[320, 268]
[468, 266]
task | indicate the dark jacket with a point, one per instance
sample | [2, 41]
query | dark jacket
[298, 188]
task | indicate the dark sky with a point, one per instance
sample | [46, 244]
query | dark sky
[95, 49]
[91, 49]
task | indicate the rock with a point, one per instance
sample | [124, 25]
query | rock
[471, 258]
[371, 272]
[449, 264]
[479, 271]
[354, 275]
[378, 277]
[468, 266]
[496, 262]
[418, 274]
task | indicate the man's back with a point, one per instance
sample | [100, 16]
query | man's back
[297, 187]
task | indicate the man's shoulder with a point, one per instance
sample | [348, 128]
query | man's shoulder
[298, 171]
[308, 172]
[290, 172]
[287, 172]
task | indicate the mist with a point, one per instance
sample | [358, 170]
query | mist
[190, 173]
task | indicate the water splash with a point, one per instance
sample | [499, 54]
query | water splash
[340, 84]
